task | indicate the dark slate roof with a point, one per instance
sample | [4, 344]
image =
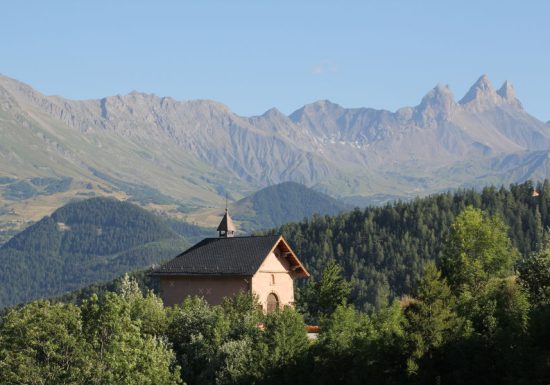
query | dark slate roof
[221, 256]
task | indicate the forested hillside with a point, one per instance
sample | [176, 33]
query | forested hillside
[282, 203]
[479, 316]
[82, 243]
[382, 249]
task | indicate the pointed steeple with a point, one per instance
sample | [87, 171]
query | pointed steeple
[226, 228]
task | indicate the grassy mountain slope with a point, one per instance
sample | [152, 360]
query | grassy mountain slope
[81, 243]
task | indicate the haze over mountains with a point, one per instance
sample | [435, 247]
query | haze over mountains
[177, 157]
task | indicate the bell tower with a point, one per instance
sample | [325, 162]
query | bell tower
[226, 229]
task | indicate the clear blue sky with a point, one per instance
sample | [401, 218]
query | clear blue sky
[254, 55]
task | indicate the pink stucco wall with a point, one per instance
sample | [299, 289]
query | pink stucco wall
[273, 276]
[174, 289]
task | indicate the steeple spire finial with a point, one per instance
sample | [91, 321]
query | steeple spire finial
[226, 228]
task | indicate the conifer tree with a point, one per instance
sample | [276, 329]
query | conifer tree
[321, 297]
[432, 320]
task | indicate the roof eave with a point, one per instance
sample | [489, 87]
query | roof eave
[181, 274]
[300, 267]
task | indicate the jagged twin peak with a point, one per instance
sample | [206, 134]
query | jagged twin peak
[483, 95]
[440, 103]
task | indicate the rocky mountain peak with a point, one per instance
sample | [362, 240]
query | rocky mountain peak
[323, 106]
[19, 90]
[437, 104]
[272, 120]
[507, 90]
[484, 83]
[481, 94]
[318, 108]
[508, 94]
[440, 95]
[273, 113]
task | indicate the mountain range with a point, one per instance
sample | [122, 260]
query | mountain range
[180, 157]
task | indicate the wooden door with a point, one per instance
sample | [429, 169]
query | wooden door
[272, 302]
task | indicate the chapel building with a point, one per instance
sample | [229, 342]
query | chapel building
[220, 267]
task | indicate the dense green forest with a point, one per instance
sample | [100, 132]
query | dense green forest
[82, 243]
[479, 315]
[383, 249]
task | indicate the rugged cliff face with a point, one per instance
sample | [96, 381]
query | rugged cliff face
[160, 151]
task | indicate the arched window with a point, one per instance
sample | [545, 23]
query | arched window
[272, 302]
[273, 279]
